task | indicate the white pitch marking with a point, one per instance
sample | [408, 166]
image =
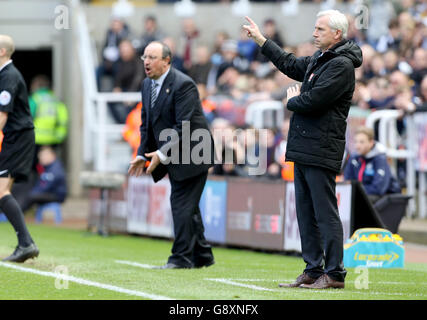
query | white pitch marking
[135, 264]
[86, 282]
[261, 280]
[233, 283]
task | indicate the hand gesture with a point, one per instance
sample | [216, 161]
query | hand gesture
[136, 167]
[293, 91]
[254, 32]
[154, 161]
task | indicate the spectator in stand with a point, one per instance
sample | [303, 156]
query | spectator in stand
[117, 32]
[368, 53]
[354, 32]
[390, 40]
[235, 85]
[369, 166]
[220, 37]
[273, 166]
[409, 103]
[231, 58]
[381, 12]
[151, 33]
[400, 82]
[51, 185]
[199, 71]
[50, 115]
[177, 61]
[227, 167]
[408, 32]
[246, 48]
[128, 79]
[419, 65]
[131, 131]
[190, 35]
[376, 95]
[207, 105]
[391, 61]
[284, 168]
[378, 66]
[269, 30]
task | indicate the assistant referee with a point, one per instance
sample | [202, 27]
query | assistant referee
[18, 147]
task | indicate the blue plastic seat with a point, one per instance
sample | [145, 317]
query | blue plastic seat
[3, 217]
[54, 207]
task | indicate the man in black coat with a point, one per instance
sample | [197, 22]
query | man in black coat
[175, 137]
[316, 140]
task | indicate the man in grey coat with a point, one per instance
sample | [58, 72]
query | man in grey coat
[316, 140]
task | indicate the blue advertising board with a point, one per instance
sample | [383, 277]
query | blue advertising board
[213, 206]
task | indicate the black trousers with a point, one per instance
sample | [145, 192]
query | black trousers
[190, 247]
[319, 222]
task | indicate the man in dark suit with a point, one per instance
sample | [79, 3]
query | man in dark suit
[171, 114]
[316, 140]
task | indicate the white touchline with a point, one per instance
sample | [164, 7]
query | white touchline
[135, 264]
[249, 286]
[233, 283]
[86, 282]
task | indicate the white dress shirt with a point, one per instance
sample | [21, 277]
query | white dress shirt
[159, 83]
[3, 66]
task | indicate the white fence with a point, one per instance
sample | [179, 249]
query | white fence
[97, 125]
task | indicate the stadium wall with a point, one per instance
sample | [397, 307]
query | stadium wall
[210, 19]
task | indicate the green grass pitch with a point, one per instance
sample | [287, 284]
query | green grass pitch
[93, 267]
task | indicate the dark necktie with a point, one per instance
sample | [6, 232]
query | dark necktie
[153, 93]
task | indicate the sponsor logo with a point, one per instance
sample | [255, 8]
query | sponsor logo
[376, 260]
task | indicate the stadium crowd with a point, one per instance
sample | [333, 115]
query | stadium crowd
[232, 73]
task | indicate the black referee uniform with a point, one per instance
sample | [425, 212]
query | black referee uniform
[17, 153]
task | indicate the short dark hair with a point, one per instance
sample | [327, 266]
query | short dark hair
[150, 17]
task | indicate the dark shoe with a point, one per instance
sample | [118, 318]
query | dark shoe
[324, 282]
[302, 279]
[170, 265]
[205, 264]
[23, 253]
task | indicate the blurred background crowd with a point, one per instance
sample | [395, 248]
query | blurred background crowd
[232, 74]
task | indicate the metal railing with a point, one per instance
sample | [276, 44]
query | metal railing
[96, 124]
[389, 137]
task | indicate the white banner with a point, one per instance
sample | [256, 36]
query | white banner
[138, 204]
[149, 210]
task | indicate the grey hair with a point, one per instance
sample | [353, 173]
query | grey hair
[337, 21]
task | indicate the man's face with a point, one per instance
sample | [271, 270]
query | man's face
[127, 52]
[324, 36]
[362, 144]
[155, 66]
